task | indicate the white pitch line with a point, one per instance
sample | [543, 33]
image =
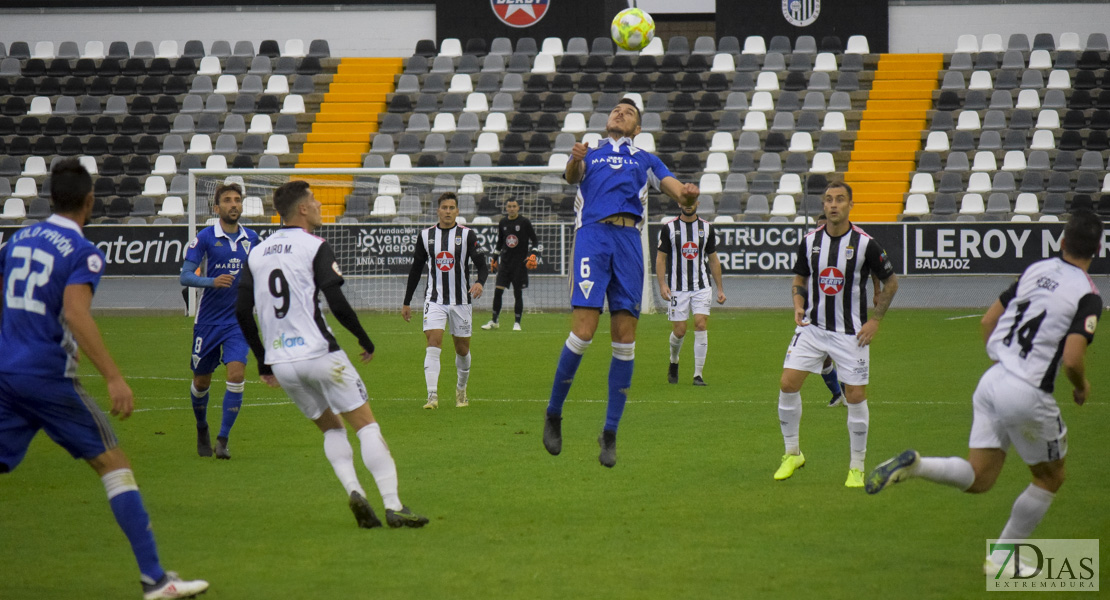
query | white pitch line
[416, 401]
[962, 317]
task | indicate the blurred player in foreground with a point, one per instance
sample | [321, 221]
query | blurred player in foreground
[50, 272]
[1047, 317]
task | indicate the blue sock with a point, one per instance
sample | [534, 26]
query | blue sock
[233, 400]
[831, 380]
[569, 360]
[127, 506]
[200, 406]
[620, 380]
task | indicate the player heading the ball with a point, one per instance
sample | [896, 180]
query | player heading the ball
[613, 181]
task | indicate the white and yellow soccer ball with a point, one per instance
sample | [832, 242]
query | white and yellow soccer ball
[633, 29]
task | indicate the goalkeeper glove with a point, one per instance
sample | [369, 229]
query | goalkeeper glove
[531, 262]
[493, 264]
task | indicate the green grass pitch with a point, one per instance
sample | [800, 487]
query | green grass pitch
[690, 511]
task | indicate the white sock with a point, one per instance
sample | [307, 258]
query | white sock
[119, 481]
[1029, 508]
[375, 454]
[462, 366]
[790, 419]
[431, 368]
[951, 471]
[701, 348]
[342, 458]
[577, 345]
[676, 347]
[858, 418]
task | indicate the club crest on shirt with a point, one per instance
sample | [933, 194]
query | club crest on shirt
[1090, 324]
[246, 246]
[445, 261]
[95, 265]
[831, 281]
[511, 241]
[690, 250]
[849, 252]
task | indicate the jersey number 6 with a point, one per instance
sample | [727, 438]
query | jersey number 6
[584, 268]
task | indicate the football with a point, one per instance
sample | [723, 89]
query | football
[633, 29]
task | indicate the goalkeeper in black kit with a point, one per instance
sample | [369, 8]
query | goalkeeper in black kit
[516, 247]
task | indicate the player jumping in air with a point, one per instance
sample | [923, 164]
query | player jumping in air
[613, 182]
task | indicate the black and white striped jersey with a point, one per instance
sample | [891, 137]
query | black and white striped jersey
[1051, 300]
[838, 269]
[290, 268]
[446, 252]
[688, 246]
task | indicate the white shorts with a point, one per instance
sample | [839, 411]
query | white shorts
[684, 303]
[1008, 410]
[811, 344]
[461, 317]
[317, 384]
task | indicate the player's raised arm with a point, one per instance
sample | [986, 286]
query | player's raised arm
[683, 193]
[77, 310]
[576, 166]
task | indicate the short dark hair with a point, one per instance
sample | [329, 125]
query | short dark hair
[1083, 233]
[632, 103]
[445, 197]
[288, 196]
[225, 188]
[840, 184]
[70, 184]
[821, 217]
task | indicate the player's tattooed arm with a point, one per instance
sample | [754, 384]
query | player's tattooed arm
[798, 298]
[884, 296]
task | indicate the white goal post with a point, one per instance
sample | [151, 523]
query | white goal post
[372, 217]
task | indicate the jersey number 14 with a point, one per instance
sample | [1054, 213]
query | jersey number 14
[1025, 331]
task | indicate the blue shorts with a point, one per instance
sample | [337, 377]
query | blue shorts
[608, 263]
[61, 407]
[208, 340]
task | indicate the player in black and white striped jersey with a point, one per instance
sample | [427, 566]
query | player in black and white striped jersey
[833, 265]
[1046, 319]
[686, 244]
[446, 248]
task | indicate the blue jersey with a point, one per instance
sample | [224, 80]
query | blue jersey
[224, 256]
[616, 179]
[37, 264]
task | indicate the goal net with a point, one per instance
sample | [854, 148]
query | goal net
[373, 216]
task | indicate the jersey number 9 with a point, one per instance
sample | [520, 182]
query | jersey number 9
[279, 288]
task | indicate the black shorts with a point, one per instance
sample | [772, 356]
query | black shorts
[515, 275]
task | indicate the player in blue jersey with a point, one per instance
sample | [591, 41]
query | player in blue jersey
[50, 272]
[613, 182]
[222, 249]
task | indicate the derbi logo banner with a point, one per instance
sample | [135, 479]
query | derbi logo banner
[1042, 566]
